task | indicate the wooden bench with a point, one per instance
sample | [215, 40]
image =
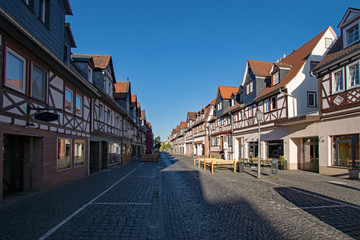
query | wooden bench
[221, 162]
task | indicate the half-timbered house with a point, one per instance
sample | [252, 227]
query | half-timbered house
[189, 135]
[45, 104]
[288, 103]
[220, 124]
[339, 101]
[107, 115]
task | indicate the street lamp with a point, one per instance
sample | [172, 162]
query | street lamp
[259, 118]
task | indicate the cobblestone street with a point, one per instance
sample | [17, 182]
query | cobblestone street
[172, 199]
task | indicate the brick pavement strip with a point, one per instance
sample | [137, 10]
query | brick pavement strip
[172, 199]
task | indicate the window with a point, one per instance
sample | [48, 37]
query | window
[353, 75]
[90, 74]
[267, 105]
[63, 154]
[250, 111]
[313, 65]
[114, 153]
[68, 100]
[273, 103]
[44, 11]
[108, 116]
[79, 153]
[352, 35]
[249, 88]
[38, 83]
[101, 112]
[78, 105]
[328, 42]
[338, 81]
[311, 99]
[15, 71]
[276, 78]
[346, 151]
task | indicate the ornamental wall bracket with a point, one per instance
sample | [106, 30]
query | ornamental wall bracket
[44, 114]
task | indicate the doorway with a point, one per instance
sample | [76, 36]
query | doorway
[310, 159]
[13, 164]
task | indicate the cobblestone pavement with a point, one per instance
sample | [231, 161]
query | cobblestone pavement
[172, 199]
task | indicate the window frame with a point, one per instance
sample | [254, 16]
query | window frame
[90, 74]
[356, 25]
[267, 105]
[348, 79]
[72, 100]
[314, 97]
[249, 88]
[57, 154]
[82, 160]
[277, 73]
[101, 112]
[77, 95]
[46, 74]
[333, 82]
[24, 70]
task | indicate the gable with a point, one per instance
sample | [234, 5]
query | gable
[351, 15]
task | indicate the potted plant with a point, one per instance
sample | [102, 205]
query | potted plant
[283, 163]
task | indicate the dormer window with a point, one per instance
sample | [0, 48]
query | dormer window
[276, 78]
[352, 35]
[90, 74]
[249, 88]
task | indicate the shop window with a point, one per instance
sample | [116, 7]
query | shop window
[346, 151]
[38, 83]
[253, 149]
[114, 151]
[79, 153]
[15, 71]
[63, 154]
[275, 149]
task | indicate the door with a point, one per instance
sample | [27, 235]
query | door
[310, 160]
[13, 164]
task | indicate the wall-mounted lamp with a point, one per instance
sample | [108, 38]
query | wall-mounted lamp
[321, 139]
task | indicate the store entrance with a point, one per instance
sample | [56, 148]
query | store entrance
[13, 164]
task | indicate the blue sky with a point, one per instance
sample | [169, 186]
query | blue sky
[177, 52]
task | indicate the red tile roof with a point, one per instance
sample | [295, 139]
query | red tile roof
[260, 68]
[122, 87]
[183, 124]
[297, 59]
[226, 92]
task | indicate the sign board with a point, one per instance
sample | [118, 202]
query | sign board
[46, 116]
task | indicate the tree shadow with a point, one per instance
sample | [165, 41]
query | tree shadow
[341, 215]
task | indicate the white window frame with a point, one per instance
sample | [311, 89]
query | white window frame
[348, 80]
[276, 78]
[314, 97]
[333, 83]
[345, 33]
[23, 89]
[249, 88]
[267, 105]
